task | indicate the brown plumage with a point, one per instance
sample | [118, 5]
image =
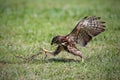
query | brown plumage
[83, 32]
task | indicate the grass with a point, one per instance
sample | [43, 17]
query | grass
[27, 25]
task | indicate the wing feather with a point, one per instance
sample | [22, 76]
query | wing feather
[87, 28]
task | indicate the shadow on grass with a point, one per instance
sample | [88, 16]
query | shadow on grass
[62, 60]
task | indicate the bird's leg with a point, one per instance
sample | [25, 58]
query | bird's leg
[57, 51]
[76, 52]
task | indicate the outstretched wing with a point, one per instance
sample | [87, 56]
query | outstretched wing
[87, 28]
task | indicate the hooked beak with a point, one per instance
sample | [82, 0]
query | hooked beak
[54, 44]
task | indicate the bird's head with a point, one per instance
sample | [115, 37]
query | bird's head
[56, 40]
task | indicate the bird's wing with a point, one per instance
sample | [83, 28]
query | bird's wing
[87, 28]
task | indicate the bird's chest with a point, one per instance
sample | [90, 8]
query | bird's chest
[67, 42]
[68, 46]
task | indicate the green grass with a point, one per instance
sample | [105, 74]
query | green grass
[27, 25]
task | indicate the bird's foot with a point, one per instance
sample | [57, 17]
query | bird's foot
[45, 51]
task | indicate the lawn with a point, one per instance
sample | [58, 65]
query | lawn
[28, 25]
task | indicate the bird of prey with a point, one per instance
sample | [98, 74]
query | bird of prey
[83, 33]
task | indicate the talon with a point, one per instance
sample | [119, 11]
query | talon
[44, 50]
